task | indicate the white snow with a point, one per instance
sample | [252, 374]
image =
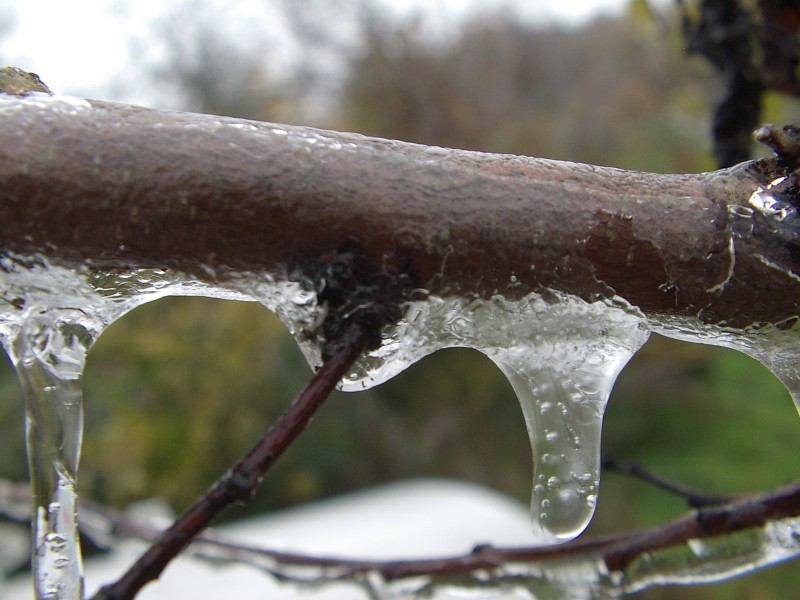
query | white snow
[408, 519]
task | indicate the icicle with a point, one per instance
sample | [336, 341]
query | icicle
[562, 359]
[561, 355]
[48, 321]
[49, 356]
[47, 342]
[49, 318]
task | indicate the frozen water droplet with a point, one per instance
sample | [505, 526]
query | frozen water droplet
[563, 397]
[561, 355]
[56, 541]
[698, 547]
[303, 297]
[437, 151]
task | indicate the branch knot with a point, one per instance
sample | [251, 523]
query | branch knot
[349, 291]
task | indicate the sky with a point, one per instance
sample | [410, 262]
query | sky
[93, 48]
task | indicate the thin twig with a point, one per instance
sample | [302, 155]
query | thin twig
[617, 550]
[238, 484]
[694, 498]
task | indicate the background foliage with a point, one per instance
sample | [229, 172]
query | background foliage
[179, 388]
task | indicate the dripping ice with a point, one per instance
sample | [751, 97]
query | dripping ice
[50, 315]
[560, 353]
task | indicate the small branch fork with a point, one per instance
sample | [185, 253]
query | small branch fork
[240, 482]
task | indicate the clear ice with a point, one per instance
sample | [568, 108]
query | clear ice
[560, 353]
[49, 318]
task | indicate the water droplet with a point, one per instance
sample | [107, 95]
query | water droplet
[56, 542]
[743, 212]
[304, 297]
[698, 547]
[437, 151]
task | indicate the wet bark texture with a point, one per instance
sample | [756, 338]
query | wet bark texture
[120, 187]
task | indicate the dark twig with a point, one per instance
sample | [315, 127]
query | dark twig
[694, 498]
[238, 484]
[617, 550]
[725, 35]
[755, 50]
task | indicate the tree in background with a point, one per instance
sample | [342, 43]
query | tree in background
[600, 94]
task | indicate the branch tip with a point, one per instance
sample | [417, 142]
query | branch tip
[783, 141]
[16, 82]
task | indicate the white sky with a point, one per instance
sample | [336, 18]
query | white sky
[84, 48]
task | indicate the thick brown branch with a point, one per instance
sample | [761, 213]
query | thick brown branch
[126, 187]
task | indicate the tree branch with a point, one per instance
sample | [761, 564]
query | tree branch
[124, 187]
[118, 187]
[694, 498]
[239, 484]
[617, 551]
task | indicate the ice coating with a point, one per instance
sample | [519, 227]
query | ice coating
[776, 346]
[706, 561]
[49, 318]
[588, 578]
[560, 354]
[581, 577]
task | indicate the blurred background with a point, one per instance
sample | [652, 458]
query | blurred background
[178, 389]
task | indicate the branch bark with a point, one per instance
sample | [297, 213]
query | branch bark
[119, 187]
[124, 187]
